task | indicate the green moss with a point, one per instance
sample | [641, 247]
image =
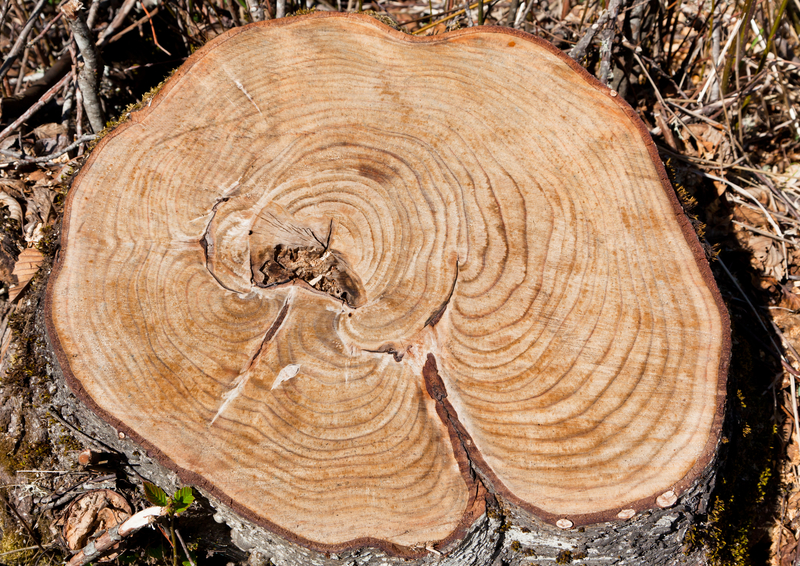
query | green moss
[564, 557]
[49, 242]
[26, 456]
[384, 19]
[691, 207]
[302, 12]
[126, 114]
[13, 540]
[747, 485]
[69, 444]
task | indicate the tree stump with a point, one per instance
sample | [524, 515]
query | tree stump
[390, 299]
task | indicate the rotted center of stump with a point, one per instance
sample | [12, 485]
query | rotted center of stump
[323, 269]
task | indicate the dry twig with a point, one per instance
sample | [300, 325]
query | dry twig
[88, 77]
[19, 45]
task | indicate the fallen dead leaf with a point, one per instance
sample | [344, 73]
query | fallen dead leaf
[26, 267]
[789, 299]
[92, 513]
[43, 197]
[754, 218]
[13, 187]
[788, 550]
[708, 139]
[37, 175]
[14, 208]
[50, 130]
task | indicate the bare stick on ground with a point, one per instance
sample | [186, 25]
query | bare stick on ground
[117, 22]
[105, 542]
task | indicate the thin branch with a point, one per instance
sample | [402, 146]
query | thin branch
[102, 446]
[111, 537]
[607, 41]
[185, 550]
[134, 25]
[153, 29]
[762, 232]
[2, 21]
[450, 17]
[257, 10]
[24, 523]
[45, 158]
[523, 16]
[19, 45]
[116, 23]
[468, 11]
[45, 30]
[32, 110]
[9, 552]
[91, 18]
[22, 68]
[579, 51]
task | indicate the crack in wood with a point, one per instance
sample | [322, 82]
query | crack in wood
[208, 244]
[438, 313]
[396, 353]
[245, 375]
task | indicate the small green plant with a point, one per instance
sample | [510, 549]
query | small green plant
[180, 501]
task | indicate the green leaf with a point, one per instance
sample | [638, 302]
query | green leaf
[156, 552]
[155, 494]
[182, 500]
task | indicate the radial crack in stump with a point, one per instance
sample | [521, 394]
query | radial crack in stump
[333, 274]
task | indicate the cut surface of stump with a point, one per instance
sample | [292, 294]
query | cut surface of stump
[333, 269]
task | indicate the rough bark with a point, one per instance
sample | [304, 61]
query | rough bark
[505, 535]
[391, 300]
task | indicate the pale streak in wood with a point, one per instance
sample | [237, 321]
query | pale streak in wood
[580, 348]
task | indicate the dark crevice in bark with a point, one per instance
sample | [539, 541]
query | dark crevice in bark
[438, 391]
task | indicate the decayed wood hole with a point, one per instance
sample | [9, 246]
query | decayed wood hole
[329, 259]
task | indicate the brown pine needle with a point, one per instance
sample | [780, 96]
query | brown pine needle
[153, 29]
[450, 17]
